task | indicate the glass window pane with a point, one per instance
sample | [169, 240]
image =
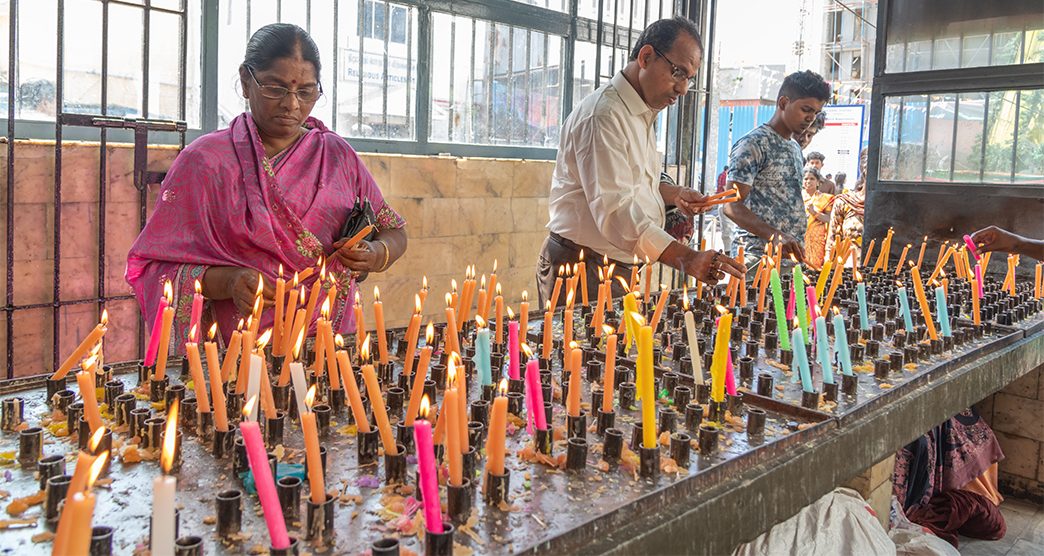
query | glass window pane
[1000, 136]
[967, 153]
[946, 53]
[976, 51]
[1034, 46]
[164, 66]
[1029, 149]
[911, 139]
[81, 85]
[1007, 48]
[36, 49]
[939, 148]
[895, 57]
[919, 56]
[889, 138]
[125, 61]
[557, 5]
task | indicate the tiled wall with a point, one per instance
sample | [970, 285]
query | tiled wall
[1016, 414]
[460, 211]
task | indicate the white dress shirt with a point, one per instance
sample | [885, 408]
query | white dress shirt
[605, 188]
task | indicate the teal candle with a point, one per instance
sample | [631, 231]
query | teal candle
[482, 358]
[904, 308]
[841, 344]
[800, 306]
[800, 367]
[823, 350]
[781, 317]
[864, 320]
[943, 312]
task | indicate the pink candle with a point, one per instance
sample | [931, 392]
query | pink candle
[978, 279]
[971, 246]
[197, 313]
[810, 292]
[429, 484]
[154, 334]
[791, 305]
[266, 493]
[535, 394]
[513, 352]
[730, 379]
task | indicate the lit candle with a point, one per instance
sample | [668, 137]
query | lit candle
[289, 315]
[313, 297]
[661, 302]
[923, 302]
[84, 462]
[596, 320]
[557, 289]
[694, 347]
[451, 340]
[904, 307]
[243, 373]
[548, 314]
[298, 328]
[632, 284]
[801, 359]
[199, 382]
[823, 350]
[378, 319]
[423, 293]
[316, 484]
[523, 317]
[421, 375]
[721, 354]
[232, 353]
[254, 322]
[920, 257]
[164, 341]
[976, 317]
[567, 320]
[483, 299]
[864, 318]
[217, 390]
[647, 283]
[514, 355]
[646, 380]
[450, 405]
[777, 301]
[253, 388]
[330, 346]
[762, 284]
[354, 398]
[154, 336]
[257, 458]
[277, 320]
[835, 281]
[466, 298]
[575, 358]
[582, 273]
[482, 352]
[942, 311]
[800, 307]
[297, 373]
[824, 273]
[428, 479]
[534, 392]
[841, 343]
[497, 432]
[630, 309]
[412, 332]
[197, 312]
[85, 380]
[73, 535]
[462, 401]
[163, 489]
[493, 287]
[498, 310]
[609, 376]
[810, 293]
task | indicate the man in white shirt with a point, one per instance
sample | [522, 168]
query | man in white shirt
[606, 195]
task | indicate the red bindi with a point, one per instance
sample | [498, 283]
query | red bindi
[293, 82]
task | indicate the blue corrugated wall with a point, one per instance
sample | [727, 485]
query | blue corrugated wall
[741, 119]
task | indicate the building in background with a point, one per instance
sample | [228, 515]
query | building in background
[746, 99]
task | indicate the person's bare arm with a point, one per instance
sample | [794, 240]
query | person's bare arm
[746, 219]
[999, 239]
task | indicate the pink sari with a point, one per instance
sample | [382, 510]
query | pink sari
[223, 204]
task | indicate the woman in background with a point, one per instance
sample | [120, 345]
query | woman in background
[819, 197]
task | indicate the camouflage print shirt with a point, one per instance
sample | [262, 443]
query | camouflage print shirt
[771, 166]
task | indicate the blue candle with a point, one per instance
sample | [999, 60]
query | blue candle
[904, 308]
[482, 358]
[823, 350]
[801, 360]
[864, 320]
[841, 343]
[944, 313]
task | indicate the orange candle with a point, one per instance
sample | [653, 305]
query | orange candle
[164, 342]
[333, 343]
[466, 297]
[450, 405]
[378, 319]
[313, 297]
[81, 350]
[761, 285]
[232, 353]
[244, 362]
[373, 388]
[289, 316]
[354, 398]
[316, 485]
[217, 390]
[609, 376]
[835, 281]
[573, 402]
[483, 300]
[567, 320]
[548, 314]
[85, 379]
[557, 288]
[498, 310]
[920, 256]
[582, 273]
[412, 331]
[417, 392]
[976, 316]
[648, 282]
[869, 252]
[451, 340]
[199, 383]
[84, 461]
[73, 535]
[596, 320]
[492, 287]
[277, 321]
[661, 302]
[462, 401]
[423, 293]
[497, 432]
[1037, 281]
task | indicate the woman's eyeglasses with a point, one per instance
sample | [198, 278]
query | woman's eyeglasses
[677, 73]
[275, 92]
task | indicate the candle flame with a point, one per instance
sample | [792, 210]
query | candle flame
[601, 275]
[95, 470]
[502, 387]
[482, 283]
[239, 326]
[547, 306]
[280, 270]
[358, 298]
[576, 268]
[298, 343]
[857, 275]
[257, 305]
[797, 323]
[170, 436]
[263, 340]
[793, 258]
[607, 329]
[612, 268]
[605, 260]
[528, 352]
[647, 260]
[511, 314]
[494, 266]
[561, 270]
[297, 279]
[95, 440]
[88, 363]
[569, 297]
[836, 311]
[199, 287]
[416, 304]
[301, 295]
[581, 255]
[364, 351]
[324, 309]
[260, 285]
[525, 295]
[192, 332]
[338, 341]
[376, 294]
[322, 272]
[722, 310]
[635, 259]
[898, 284]
[310, 397]
[499, 291]
[429, 334]
[425, 406]
[248, 407]
[449, 301]
[573, 345]
[685, 302]
[626, 286]
[212, 332]
[638, 319]
[453, 285]
[168, 292]
[479, 321]
[104, 316]
[424, 282]
[451, 373]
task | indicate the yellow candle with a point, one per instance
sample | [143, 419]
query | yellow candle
[609, 376]
[824, 273]
[721, 353]
[645, 374]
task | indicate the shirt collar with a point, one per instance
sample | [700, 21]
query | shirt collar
[631, 99]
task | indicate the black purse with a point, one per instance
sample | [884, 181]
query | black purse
[362, 215]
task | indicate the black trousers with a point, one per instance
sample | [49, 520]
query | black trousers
[558, 251]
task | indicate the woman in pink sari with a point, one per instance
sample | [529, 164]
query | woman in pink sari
[275, 188]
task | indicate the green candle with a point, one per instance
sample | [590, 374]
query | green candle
[781, 317]
[800, 307]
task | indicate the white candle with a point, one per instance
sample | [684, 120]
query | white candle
[162, 542]
[297, 376]
[254, 382]
[694, 348]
